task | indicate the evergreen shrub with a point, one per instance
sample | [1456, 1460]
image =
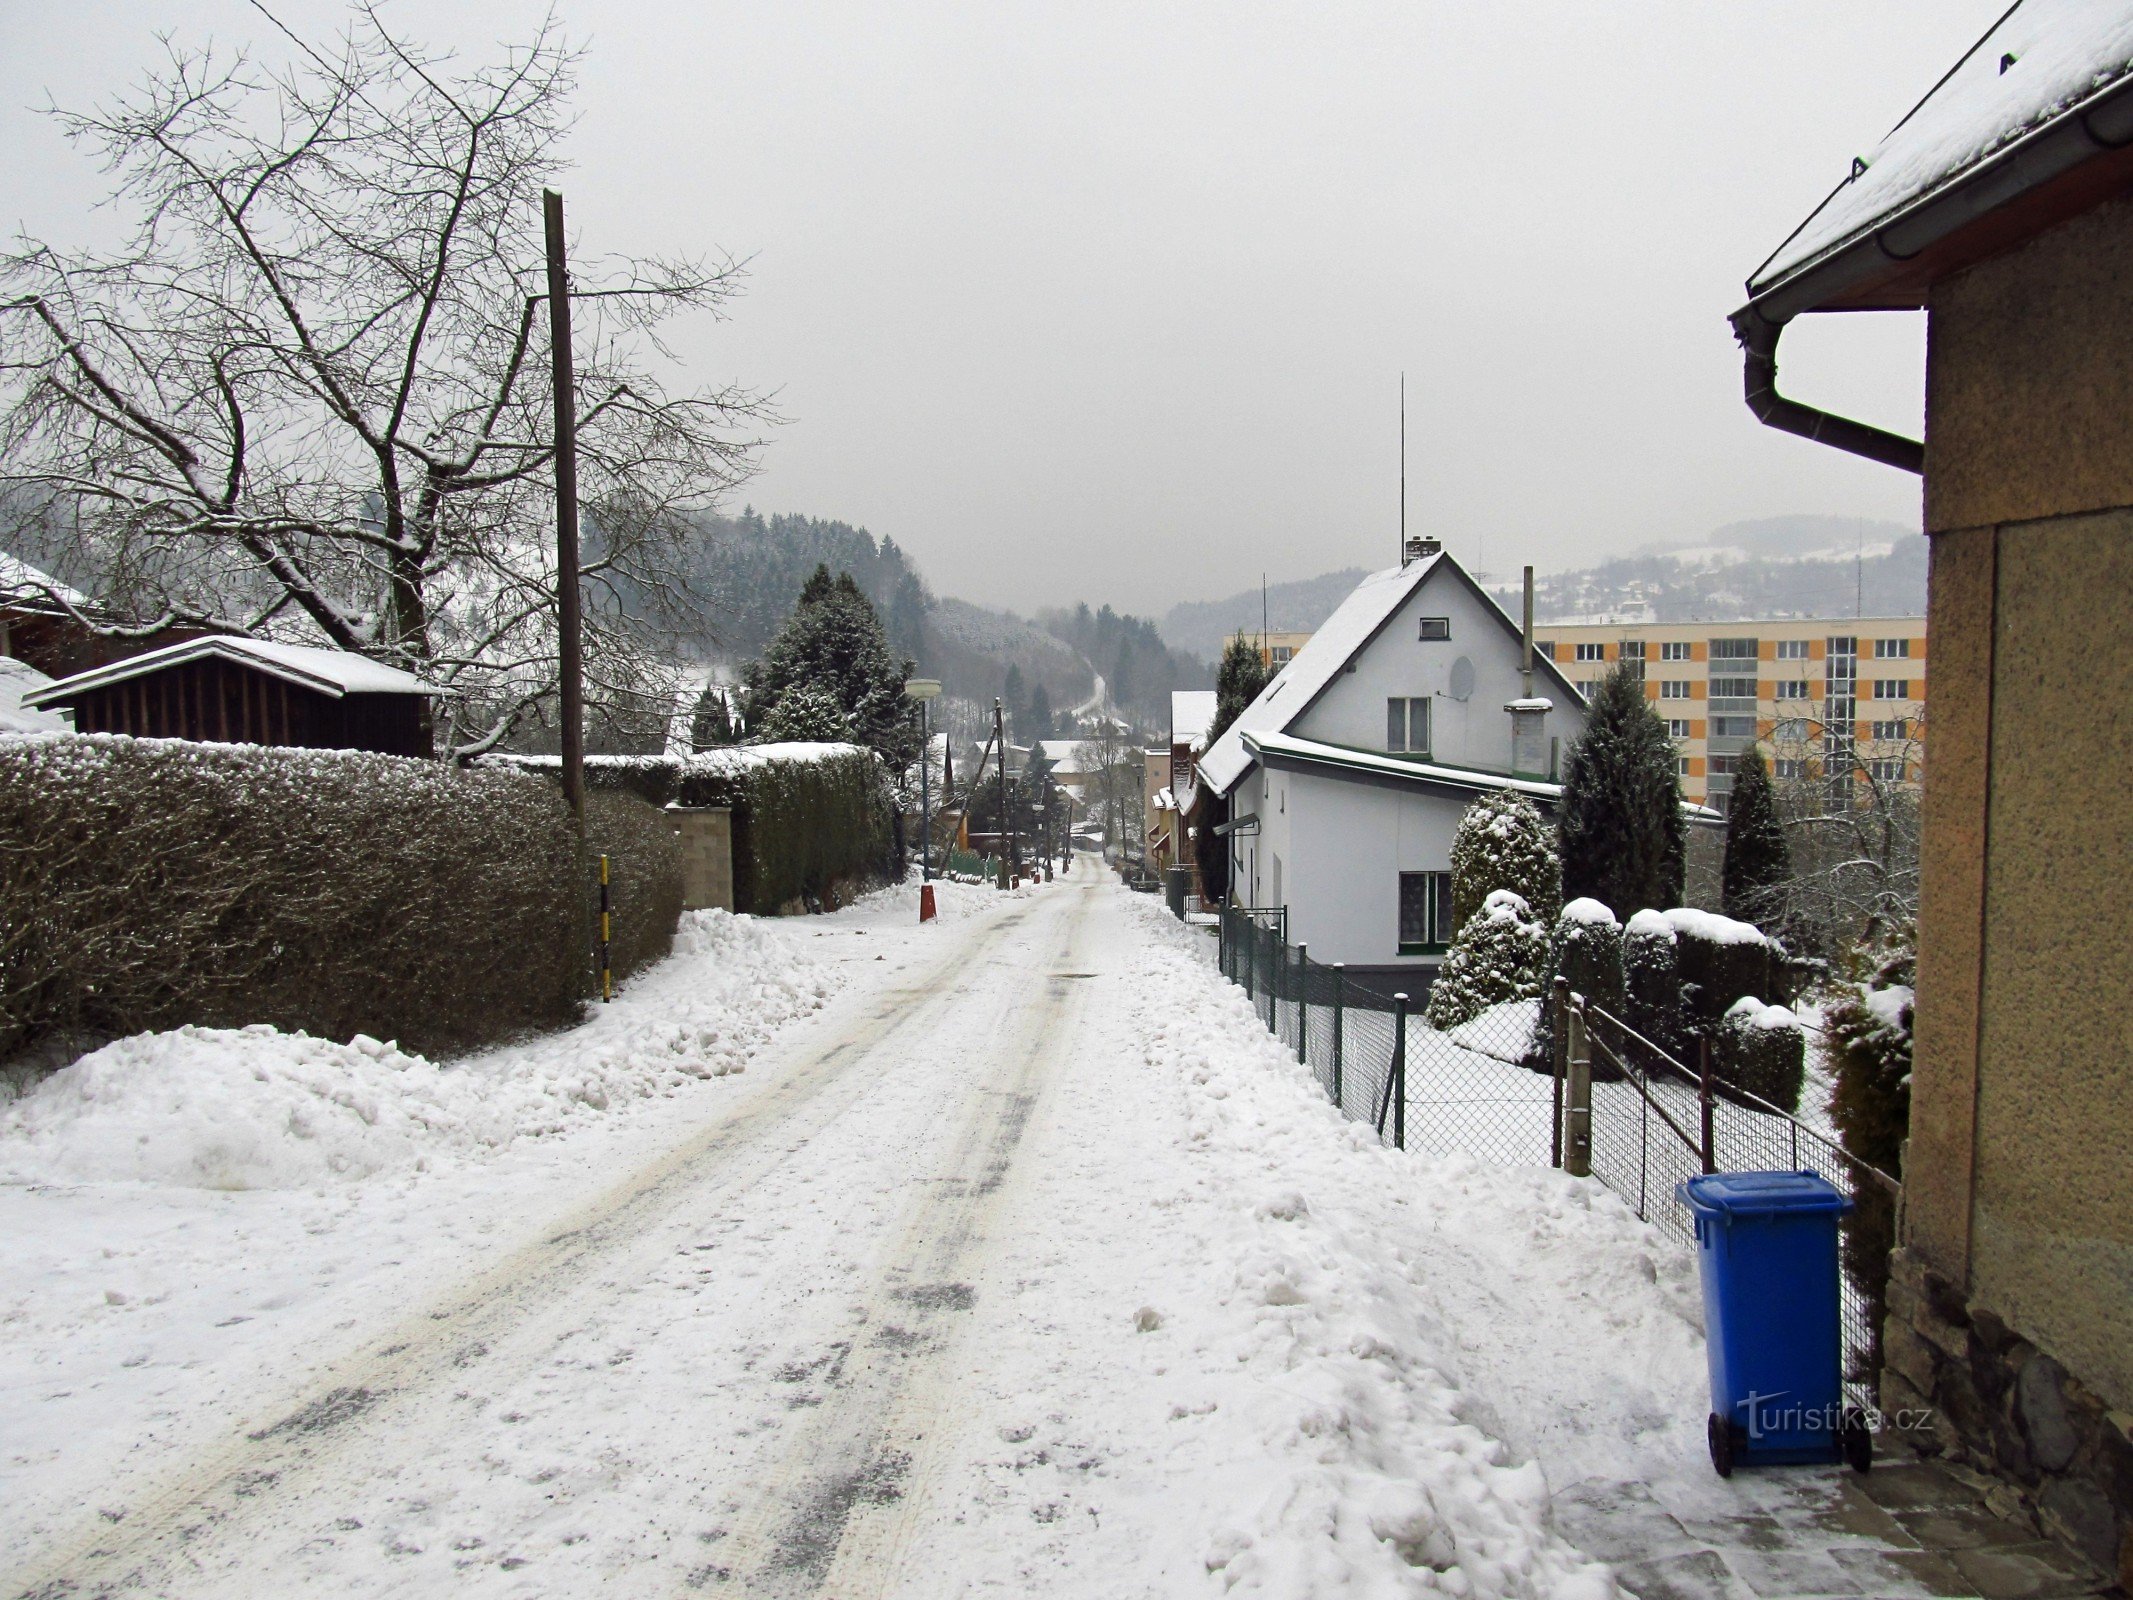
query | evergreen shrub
[1867, 1043]
[1619, 827]
[1720, 961]
[1760, 1050]
[1503, 842]
[1651, 981]
[1585, 949]
[149, 883]
[1498, 955]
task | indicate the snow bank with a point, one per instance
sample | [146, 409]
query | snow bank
[256, 1108]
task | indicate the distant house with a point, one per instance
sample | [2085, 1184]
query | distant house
[250, 691]
[1170, 773]
[2003, 206]
[1348, 774]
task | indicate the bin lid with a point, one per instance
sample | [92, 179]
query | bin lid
[1764, 1194]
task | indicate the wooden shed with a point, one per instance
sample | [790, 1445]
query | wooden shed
[250, 691]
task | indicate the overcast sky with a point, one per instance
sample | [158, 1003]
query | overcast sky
[1111, 301]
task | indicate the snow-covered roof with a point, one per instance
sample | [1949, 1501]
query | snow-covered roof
[329, 672]
[20, 580]
[1063, 754]
[1284, 744]
[19, 678]
[1354, 623]
[1192, 713]
[2041, 61]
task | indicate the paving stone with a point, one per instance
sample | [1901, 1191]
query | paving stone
[2041, 1570]
[1915, 1486]
[1962, 1528]
[1696, 1575]
[1884, 1572]
[1780, 1575]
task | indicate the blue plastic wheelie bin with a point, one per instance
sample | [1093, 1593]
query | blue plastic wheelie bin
[1766, 1248]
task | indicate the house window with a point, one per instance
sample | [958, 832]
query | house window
[1792, 689]
[1725, 764]
[1732, 649]
[1732, 688]
[1592, 652]
[1588, 687]
[1888, 769]
[1892, 689]
[1673, 688]
[1407, 726]
[1733, 727]
[1674, 650]
[1436, 628]
[1789, 729]
[1282, 655]
[1546, 647]
[1788, 767]
[1425, 912]
[1892, 649]
[1677, 727]
[1681, 766]
[1792, 649]
[1632, 650]
[1898, 730]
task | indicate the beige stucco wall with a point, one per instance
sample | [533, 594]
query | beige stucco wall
[2020, 1173]
[706, 835]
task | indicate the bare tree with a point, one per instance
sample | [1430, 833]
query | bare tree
[1850, 811]
[1112, 760]
[308, 396]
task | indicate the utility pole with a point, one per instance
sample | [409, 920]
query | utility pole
[999, 736]
[1403, 466]
[568, 623]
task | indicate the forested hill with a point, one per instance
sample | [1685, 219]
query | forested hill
[1202, 627]
[747, 571]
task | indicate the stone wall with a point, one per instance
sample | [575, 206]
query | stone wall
[1988, 1396]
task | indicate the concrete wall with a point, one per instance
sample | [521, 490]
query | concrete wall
[1474, 731]
[706, 835]
[2012, 1309]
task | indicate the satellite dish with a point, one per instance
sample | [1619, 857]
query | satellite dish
[1463, 678]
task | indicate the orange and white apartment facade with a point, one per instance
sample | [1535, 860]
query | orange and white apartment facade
[1819, 696]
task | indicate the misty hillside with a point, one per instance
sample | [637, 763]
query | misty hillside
[1797, 566]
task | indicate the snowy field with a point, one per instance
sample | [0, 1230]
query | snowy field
[842, 1256]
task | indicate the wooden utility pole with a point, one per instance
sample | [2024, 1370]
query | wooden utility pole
[568, 623]
[999, 736]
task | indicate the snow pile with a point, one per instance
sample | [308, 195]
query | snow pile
[1709, 926]
[1749, 1012]
[256, 1108]
[1507, 1032]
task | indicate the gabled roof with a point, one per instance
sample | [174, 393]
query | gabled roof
[1311, 671]
[329, 672]
[21, 582]
[1192, 713]
[1286, 751]
[2024, 106]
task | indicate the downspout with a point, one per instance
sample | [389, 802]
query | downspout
[1759, 341]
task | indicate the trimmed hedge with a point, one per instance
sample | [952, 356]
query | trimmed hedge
[1586, 948]
[1720, 961]
[644, 872]
[152, 883]
[1651, 981]
[812, 823]
[1760, 1050]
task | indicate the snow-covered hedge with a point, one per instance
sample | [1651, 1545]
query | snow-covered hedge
[1586, 948]
[1720, 961]
[1760, 1050]
[812, 823]
[151, 883]
[1651, 980]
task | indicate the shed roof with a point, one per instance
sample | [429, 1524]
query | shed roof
[2043, 65]
[333, 673]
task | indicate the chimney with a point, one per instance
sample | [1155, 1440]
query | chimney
[1529, 716]
[1420, 547]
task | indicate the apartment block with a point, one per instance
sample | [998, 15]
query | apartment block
[1821, 697]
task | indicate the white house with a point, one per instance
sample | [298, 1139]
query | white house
[1349, 773]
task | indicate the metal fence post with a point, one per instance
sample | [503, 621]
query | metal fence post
[1340, 982]
[1399, 1072]
[1303, 1003]
[1577, 1117]
[1558, 1059]
[1251, 958]
[1703, 1103]
[607, 935]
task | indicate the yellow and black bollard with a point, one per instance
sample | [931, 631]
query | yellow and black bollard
[607, 974]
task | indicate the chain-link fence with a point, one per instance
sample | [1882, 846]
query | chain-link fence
[1493, 1086]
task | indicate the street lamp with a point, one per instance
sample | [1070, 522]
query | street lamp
[922, 690]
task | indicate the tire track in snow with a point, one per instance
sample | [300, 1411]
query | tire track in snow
[835, 1515]
[177, 1527]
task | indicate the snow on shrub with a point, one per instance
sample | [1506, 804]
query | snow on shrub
[264, 1108]
[1586, 949]
[1720, 961]
[1503, 843]
[1867, 1042]
[812, 822]
[1651, 980]
[1499, 954]
[1760, 1050]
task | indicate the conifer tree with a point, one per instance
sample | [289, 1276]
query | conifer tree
[1014, 700]
[1238, 681]
[808, 712]
[1758, 861]
[1619, 827]
[1040, 714]
[833, 642]
[1503, 842]
[713, 725]
[1499, 954]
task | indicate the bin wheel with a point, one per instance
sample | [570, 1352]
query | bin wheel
[1858, 1440]
[1720, 1435]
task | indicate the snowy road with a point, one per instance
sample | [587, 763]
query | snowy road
[1026, 1264]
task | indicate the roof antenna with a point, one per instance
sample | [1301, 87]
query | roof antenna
[1262, 610]
[1403, 469]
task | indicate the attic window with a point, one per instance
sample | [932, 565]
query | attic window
[1436, 628]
